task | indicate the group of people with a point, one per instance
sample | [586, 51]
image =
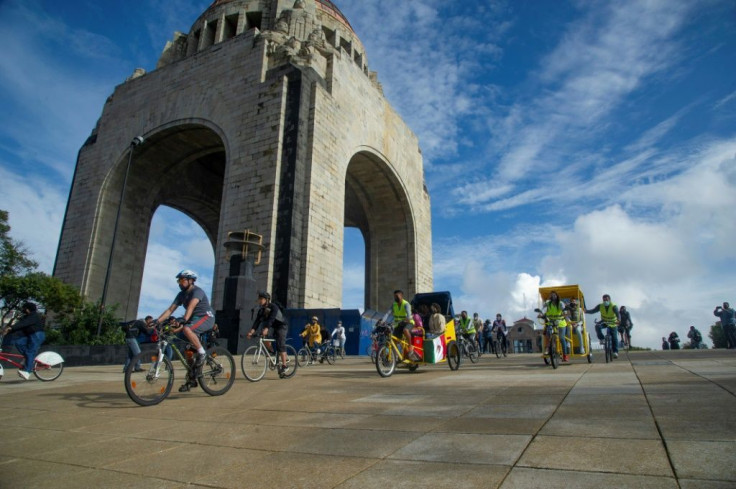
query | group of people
[566, 316]
[314, 334]
[482, 333]
[410, 321]
[727, 316]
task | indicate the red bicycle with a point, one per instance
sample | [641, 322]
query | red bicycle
[47, 366]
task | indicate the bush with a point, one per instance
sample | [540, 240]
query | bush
[80, 327]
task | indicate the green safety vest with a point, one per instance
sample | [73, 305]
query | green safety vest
[399, 312]
[608, 316]
[467, 326]
[556, 313]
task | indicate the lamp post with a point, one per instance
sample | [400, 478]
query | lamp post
[137, 141]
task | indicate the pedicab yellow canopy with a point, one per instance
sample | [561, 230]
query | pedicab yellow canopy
[563, 291]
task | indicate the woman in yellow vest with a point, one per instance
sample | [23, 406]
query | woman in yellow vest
[554, 309]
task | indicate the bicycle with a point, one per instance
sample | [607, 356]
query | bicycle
[258, 358]
[500, 346]
[308, 355]
[377, 341]
[608, 341]
[151, 384]
[47, 366]
[553, 353]
[468, 348]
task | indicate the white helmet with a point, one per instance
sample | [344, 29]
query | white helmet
[187, 274]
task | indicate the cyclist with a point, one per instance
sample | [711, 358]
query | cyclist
[554, 309]
[674, 341]
[31, 336]
[610, 318]
[488, 337]
[695, 338]
[403, 321]
[269, 317]
[312, 335]
[573, 315]
[466, 327]
[502, 331]
[198, 317]
[339, 334]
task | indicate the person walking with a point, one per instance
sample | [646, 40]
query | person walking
[674, 341]
[665, 344]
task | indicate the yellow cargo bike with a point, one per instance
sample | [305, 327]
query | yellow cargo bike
[578, 337]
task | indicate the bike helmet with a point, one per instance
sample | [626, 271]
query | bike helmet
[187, 274]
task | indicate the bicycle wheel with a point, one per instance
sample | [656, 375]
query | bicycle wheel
[330, 355]
[303, 357]
[453, 355]
[590, 352]
[47, 373]
[291, 362]
[473, 353]
[218, 371]
[609, 349]
[553, 358]
[151, 383]
[386, 361]
[254, 363]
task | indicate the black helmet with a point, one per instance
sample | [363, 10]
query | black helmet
[264, 294]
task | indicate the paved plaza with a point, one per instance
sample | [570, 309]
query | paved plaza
[649, 420]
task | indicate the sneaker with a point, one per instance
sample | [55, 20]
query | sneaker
[615, 355]
[23, 374]
[281, 372]
[564, 358]
[200, 360]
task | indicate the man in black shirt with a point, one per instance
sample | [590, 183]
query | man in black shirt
[269, 317]
[31, 336]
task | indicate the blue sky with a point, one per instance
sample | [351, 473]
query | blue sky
[586, 142]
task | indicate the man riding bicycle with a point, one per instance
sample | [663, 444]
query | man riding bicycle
[198, 317]
[610, 318]
[403, 322]
[466, 327]
[499, 326]
[270, 317]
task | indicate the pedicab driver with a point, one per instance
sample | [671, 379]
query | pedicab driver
[610, 318]
[198, 317]
[402, 321]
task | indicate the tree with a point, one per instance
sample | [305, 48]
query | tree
[80, 328]
[50, 292]
[14, 259]
[717, 336]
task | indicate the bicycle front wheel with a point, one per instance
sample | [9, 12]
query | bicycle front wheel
[151, 383]
[554, 359]
[609, 349]
[330, 355]
[497, 348]
[47, 373]
[473, 353]
[303, 357]
[254, 363]
[218, 372]
[386, 361]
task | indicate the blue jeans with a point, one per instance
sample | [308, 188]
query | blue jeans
[28, 347]
[612, 331]
[133, 350]
[578, 330]
[564, 332]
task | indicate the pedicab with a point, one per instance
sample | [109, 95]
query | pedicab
[430, 349]
[578, 337]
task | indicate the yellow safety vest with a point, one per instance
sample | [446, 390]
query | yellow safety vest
[608, 316]
[399, 312]
[556, 313]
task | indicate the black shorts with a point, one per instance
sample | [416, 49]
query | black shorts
[399, 330]
[279, 334]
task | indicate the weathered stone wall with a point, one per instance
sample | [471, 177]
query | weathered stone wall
[240, 135]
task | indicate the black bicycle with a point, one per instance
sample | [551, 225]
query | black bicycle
[468, 348]
[150, 375]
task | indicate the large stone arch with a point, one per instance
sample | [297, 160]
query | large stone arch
[377, 203]
[180, 165]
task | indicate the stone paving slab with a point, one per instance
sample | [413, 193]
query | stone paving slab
[647, 420]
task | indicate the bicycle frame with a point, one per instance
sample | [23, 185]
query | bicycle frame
[45, 360]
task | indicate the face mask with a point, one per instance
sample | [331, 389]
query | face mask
[606, 303]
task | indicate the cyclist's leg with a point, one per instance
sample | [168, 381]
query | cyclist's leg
[614, 340]
[599, 331]
[279, 335]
